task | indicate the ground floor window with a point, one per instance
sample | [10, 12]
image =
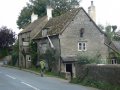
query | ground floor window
[114, 61]
[28, 57]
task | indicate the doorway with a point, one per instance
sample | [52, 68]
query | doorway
[69, 69]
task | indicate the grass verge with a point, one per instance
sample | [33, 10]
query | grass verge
[97, 84]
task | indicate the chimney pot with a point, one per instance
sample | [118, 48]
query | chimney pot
[91, 3]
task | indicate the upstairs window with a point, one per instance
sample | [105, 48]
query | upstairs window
[81, 32]
[44, 32]
[23, 39]
[82, 46]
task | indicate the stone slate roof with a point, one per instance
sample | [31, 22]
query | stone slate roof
[58, 24]
[35, 27]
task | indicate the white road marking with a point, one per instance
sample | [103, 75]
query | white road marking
[30, 85]
[10, 76]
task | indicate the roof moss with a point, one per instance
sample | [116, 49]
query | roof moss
[56, 25]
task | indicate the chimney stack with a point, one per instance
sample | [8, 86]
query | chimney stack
[34, 17]
[92, 11]
[49, 12]
[91, 3]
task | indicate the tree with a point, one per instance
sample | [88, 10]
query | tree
[39, 8]
[7, 38]
[36, 6]
[110, 31]
[15, 53]
[24, 17]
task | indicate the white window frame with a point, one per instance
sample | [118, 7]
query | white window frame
[83, 46]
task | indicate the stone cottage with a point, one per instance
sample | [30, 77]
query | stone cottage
[72, 34]
[25, 37]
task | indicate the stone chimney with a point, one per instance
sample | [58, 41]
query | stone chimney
[49, 12]
[92, 11]
[34, 17]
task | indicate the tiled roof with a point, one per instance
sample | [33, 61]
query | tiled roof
[56, 25]
[35, 27]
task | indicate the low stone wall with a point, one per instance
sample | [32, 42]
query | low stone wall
[104, 73]
[6, 59]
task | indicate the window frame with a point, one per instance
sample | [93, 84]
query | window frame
[83, 46]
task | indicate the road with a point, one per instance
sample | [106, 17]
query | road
[13, 79]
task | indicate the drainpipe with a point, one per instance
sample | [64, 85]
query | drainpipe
[60, 56]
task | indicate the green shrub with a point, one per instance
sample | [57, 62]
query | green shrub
[97, 84]
[84, 60]
[3, 52]
[15, 57]
[33, 52]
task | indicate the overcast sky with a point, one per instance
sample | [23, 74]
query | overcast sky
[107, 12]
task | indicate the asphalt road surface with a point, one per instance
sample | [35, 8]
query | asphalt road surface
[13, 79]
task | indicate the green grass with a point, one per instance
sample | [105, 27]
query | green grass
[35, 69]
[97, 84]
[47, 73]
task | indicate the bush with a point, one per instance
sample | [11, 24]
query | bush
[3, 52]
[95, 59]
[33, 52]
[15, 57]
[84, 60]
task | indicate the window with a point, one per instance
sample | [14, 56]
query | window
[82, 46]
[114, 61]
[81, 32]
[44, 32]
[23, 39]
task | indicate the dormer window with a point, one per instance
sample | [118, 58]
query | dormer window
[81, 32]
[44, 32]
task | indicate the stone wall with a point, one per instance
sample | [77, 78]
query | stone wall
[44, 44]
[7, 59]
[92, 36]
[104, 73]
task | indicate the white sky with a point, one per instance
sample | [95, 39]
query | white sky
[107, 12]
